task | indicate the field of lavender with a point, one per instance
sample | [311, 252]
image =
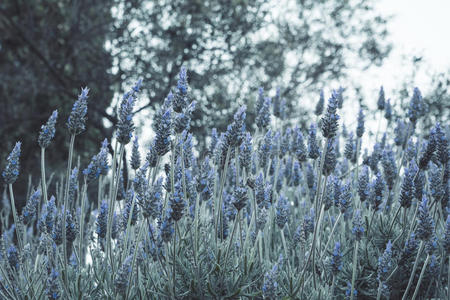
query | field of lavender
[270, 212]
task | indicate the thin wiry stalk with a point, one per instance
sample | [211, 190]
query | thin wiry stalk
[416, 291]
[318, 232]
[219, 221]
[174, 263]
[66, 197]
[331, 235]
[110, 201]
[80, 242]
[448, 279]
[113, 202]
[411, 277]
[236, 220]
[43, 180]
[15, 217]
[355, 266]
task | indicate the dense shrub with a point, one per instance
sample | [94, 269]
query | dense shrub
[279, 212]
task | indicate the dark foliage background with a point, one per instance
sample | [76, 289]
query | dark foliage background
[51, 48]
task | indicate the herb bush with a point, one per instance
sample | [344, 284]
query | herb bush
[279, 213]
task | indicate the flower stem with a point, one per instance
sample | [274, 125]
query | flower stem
[448, 279]
[331, 234]
[411, 277]
[15, 217]
[112, 204]
[66, 196]
[43, 180]
[174, 261]
[416, 291]
[355, 265]
[80, 242]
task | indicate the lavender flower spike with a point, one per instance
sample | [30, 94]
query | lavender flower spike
[330, 119]
[385, 262]
[48, 131]
[135, 155]
[425, 226]
[121, 282]
[125, 126]
[77, 119]
[11, 171]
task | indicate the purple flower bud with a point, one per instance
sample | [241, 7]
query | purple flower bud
[381, 99]
[77, 119]
[48, 131]
[11, 171]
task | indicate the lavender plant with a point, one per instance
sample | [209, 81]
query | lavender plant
[192, 224]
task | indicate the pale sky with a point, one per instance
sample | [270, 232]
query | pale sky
[417, 28]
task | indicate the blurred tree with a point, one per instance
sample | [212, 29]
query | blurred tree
[49, 49]
[232, 47]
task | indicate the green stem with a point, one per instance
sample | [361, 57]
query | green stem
[448, 279]
[393, 219]
[333, 284]
[128, 229]
[66, 196]
[141, 229]
[283, 239]
[43, 180]
[379, 290]
[319, 200]
[80, 242]
[355, 265]
[416, 291]
[411, 277]
[236, 220]
[15, 217]
[219, 223]
[99, 194]
[412, 220]
[112, 204]
[331, 234]
[174, 262]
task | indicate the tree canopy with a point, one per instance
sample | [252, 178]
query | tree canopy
[49, 49]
